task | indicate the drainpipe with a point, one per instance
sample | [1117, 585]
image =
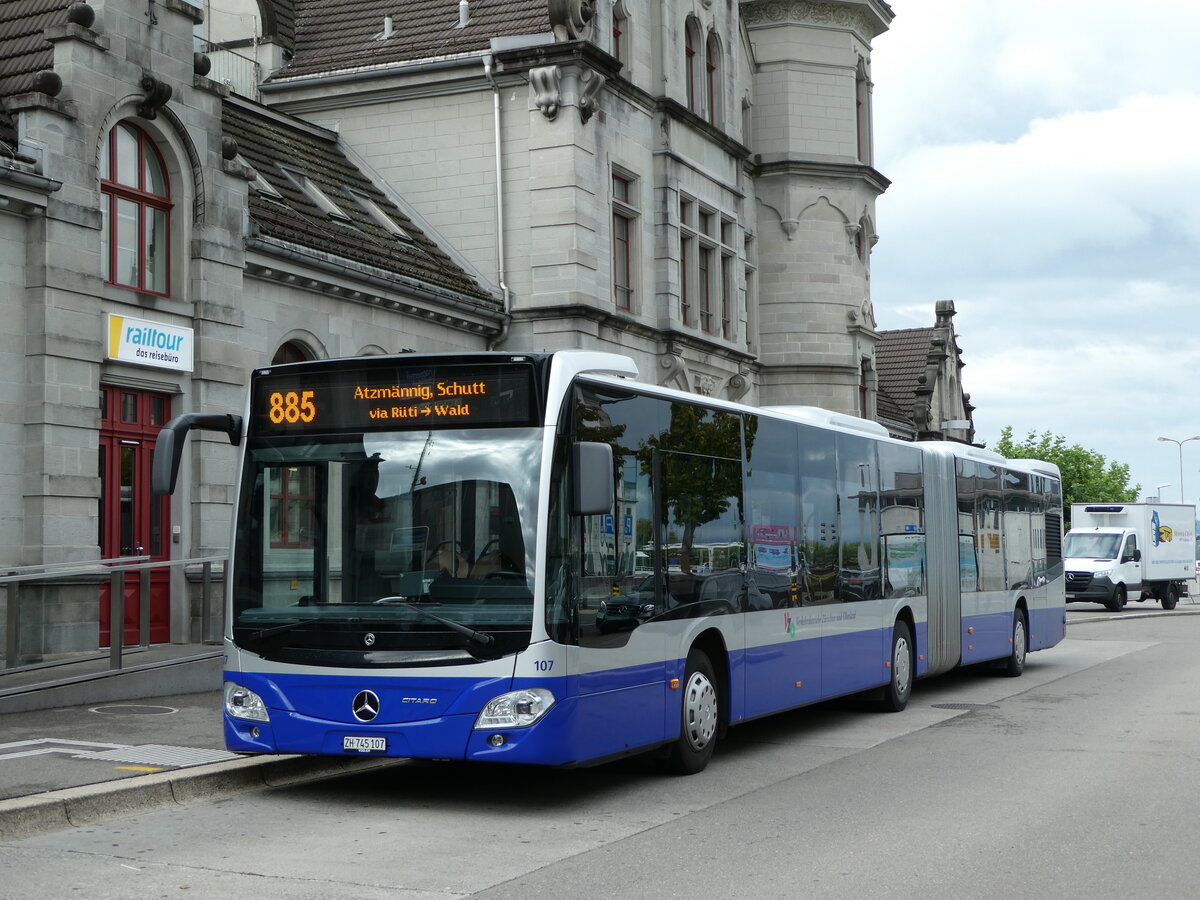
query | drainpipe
[488, 63]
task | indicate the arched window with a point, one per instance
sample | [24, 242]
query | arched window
[712, 73]
[290, 352]
[691, 49]
[136, 210]
[620, 34]
[292, 488]
[862, 112]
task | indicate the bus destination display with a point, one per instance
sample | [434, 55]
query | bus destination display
[383, 398]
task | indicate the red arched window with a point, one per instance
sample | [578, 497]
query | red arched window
[691, 46]
[136, 240]
[712, 73]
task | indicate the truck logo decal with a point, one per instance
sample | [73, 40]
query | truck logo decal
[1163, 534]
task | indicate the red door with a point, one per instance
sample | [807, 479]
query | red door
[132, 523]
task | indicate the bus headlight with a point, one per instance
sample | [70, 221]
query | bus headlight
[242, 703]
[516, 709]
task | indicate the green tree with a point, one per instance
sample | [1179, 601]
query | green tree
[1087, 477]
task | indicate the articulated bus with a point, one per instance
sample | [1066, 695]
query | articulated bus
[533, 558]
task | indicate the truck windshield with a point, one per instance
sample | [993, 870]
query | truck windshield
[388, 549]
[1091, 546]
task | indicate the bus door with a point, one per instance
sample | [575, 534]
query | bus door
[132, 522]
[620, 664]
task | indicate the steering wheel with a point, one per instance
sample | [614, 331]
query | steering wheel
[507, 574]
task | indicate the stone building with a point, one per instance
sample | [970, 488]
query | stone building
[190, 189]
[921, 397]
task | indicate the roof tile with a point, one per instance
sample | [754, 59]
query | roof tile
[269, 141]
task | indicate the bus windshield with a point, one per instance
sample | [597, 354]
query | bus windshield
[387, 548]
[1091, 546]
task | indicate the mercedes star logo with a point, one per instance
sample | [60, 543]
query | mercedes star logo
[369, 638]
[365, 706]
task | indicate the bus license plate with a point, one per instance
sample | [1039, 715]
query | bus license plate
[364, 744]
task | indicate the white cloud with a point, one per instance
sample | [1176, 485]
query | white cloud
[1096, 179]
[1042, 157]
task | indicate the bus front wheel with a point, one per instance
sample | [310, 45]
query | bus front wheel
[896, 692]
[699, 718]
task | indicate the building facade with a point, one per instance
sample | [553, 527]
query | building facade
[189, 190]
[921, 396]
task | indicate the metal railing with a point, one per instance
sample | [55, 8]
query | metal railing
[240, 72]
[115, 571]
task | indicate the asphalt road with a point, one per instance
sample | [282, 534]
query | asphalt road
[1078, 779]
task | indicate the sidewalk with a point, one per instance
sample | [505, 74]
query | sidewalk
[81, 764]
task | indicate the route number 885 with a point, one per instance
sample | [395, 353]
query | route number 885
[291, 407]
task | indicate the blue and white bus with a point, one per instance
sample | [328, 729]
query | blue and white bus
[533, 558]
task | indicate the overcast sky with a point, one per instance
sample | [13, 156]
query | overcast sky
[1045, 168]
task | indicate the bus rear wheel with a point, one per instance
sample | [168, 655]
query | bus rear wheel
[699, 718]
[896, 692]
[1015, 664]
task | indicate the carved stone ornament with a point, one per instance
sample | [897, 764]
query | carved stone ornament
[547, 84]
[810, 12]
[571, 20]
[675, 369]
[589, 93]
[157, 95]
[48, 82]
[81, 14]
[739, 384]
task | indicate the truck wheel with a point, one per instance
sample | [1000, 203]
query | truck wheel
[1116, 603]
[1170, 596]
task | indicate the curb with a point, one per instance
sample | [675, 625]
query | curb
[1136, 614]
[22, 817]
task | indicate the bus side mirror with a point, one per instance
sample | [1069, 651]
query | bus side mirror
[168, 448]
[591, 478]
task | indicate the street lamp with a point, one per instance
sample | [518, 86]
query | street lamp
[1157, 498]
[1180, 445]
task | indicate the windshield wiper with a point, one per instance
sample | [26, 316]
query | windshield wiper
[482, 638]
[280, 629]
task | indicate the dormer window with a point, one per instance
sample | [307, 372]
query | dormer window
[265, 189]
[317, 196]
[380, 217]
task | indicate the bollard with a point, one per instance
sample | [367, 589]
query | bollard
[12, 640]
[116, 618]
[205, 608]
[144, 608]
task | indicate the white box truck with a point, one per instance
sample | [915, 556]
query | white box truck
[1116, 552]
